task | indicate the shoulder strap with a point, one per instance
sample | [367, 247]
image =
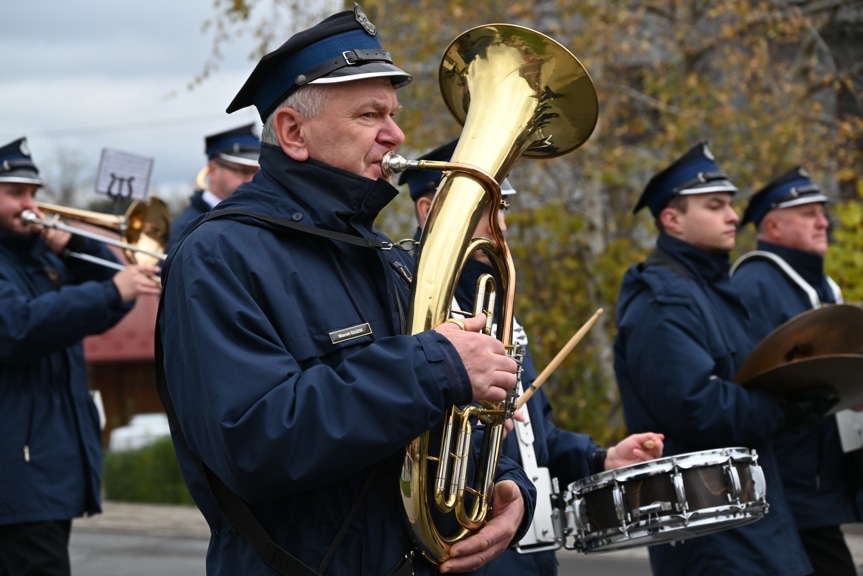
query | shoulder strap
[233, 506]
[406, 245]
[660, 257]
[792, 274]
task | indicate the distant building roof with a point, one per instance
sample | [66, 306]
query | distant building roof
[130, 340]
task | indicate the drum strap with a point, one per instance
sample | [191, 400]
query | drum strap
[544, 532]
[524, 432]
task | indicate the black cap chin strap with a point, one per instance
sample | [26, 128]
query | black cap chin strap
[701, 178]
[9, 165]
[347, 58]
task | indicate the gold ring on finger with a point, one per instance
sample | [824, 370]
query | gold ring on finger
[458, 323]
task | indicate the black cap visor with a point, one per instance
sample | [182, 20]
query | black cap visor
[397, 76]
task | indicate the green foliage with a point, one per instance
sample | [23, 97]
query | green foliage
[149, 474]
[844, 260]
[759, 79]
[561, 285]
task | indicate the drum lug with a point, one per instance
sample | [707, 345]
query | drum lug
[577, 513]
[733, 478]
[679, 490]
[758, 481]
[558, 510]
[619, 506]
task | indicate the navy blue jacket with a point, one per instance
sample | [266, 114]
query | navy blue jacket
[182, 223]
[822, 484]
[290, 415]
[567, 455]
[682, 334]
[50, 442]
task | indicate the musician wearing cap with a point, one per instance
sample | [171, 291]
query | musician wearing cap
[682, 333]
[51, 449]
[293, 389]
[782, 278]
[543, 450]
[232, 158]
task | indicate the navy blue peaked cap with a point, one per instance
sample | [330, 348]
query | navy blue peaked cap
[791, 189]
[422, 182]
[696, 172]
[16, 164]
[342, 48]
[238, 145]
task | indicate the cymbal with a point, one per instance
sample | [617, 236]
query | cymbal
[842, 372]
[823, 346]
[831, 329]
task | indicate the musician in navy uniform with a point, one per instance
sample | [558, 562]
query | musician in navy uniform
[50, 440]
[545, 451]
[232, 158]
[683, 331]
[282, 339]
[782, 278]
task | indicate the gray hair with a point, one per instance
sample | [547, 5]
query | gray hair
[308, 100]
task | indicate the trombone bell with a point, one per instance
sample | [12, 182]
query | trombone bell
[148, 228]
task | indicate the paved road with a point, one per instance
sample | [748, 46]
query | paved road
[97, 553]
[144, 540]
[124, 554]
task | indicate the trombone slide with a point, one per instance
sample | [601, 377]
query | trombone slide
[30, 217]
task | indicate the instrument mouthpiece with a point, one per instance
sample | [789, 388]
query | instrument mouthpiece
[29, 216]
[392, 164]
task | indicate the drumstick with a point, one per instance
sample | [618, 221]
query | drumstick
[555, 362]
[648, 445]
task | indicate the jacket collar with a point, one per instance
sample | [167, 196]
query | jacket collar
[312, 192]
[698, 263]
[18, 242]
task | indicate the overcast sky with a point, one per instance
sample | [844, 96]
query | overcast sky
[83, 75]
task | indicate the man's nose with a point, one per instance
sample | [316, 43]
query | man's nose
[392, 134]
[732, 215]
[501, 220]
[28, 202]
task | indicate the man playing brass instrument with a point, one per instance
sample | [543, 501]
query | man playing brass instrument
[51, 448]
[281, 328]
[541, 447]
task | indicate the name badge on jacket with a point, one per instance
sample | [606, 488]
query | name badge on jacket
[345, 334]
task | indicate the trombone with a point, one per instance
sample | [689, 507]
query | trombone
[143, 230]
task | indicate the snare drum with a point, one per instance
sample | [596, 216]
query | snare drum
[664, 500]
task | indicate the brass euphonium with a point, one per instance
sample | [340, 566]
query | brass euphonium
[516, 92]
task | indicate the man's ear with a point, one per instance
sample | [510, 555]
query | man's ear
[670, 219]
[288, 124]
[769, 228]
[423, 207]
